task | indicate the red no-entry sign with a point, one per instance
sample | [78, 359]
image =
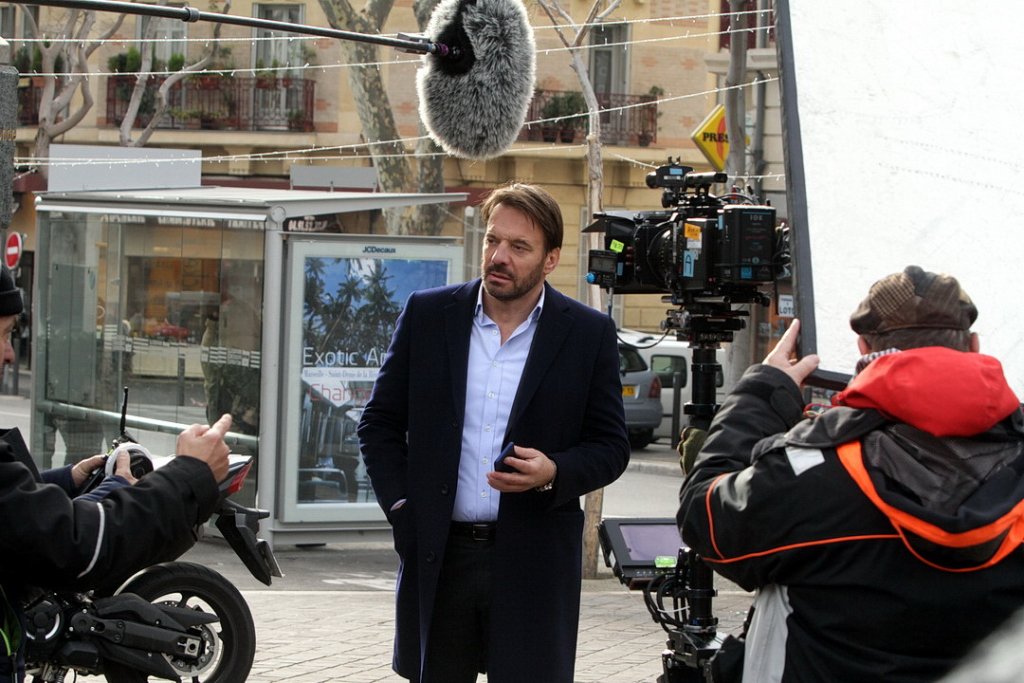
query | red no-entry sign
[12, 250]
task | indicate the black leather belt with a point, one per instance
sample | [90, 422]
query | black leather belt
[478, 531]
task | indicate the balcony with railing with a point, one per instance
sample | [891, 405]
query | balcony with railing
[267, 103]
[627, 120]
[210, 101]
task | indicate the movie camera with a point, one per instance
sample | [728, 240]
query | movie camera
[702, 252]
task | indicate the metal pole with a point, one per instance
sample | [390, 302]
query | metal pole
[704, 369]
[192, 15]
[677, 403]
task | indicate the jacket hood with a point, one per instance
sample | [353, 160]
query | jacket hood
[935, 439]
[940, 391]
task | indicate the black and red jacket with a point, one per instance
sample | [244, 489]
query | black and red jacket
[883, 536]
[53, 541]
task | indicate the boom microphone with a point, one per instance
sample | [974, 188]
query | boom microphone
[477, 77]
[473, 101]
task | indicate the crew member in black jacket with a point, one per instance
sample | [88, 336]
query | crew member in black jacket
[48, 539]
[883, 536]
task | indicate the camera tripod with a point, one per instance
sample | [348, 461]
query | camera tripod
[694, 643]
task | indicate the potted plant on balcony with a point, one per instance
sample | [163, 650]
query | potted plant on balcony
[550, 112]
[561, 110]
[217, 75]
[296, 119]
[646, 136]
[22, 60]
[192, 118]
[207, 81]
[266, 78]
[572, 106]
[209, 120]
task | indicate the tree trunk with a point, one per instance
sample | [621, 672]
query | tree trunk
[594, 500]
[72, 41]
[395, 171]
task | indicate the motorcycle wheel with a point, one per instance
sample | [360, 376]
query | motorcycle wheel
[230, 642]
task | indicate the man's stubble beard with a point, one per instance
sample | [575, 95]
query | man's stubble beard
[519, 287]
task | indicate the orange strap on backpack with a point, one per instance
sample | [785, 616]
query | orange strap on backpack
[1010, 526]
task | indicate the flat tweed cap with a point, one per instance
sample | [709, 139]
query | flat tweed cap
[914, 299]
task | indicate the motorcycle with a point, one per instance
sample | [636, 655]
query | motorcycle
[176, 620]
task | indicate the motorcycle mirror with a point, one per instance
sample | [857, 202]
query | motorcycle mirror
[238, 469]
[123, 436]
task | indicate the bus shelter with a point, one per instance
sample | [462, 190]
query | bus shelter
[275, 306]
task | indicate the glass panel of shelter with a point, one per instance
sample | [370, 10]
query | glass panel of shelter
[171, 311]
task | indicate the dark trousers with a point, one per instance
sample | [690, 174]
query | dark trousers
[459, 630]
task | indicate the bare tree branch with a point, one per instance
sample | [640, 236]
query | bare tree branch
[377, 11]
[162, 102]
[73, 43]
[395, 171]
[101, 39]
[593, 501]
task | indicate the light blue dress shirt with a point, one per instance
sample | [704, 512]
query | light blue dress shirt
[491, 384]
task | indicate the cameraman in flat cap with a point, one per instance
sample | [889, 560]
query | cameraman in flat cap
[883, 535]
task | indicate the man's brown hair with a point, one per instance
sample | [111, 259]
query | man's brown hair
[534, 201]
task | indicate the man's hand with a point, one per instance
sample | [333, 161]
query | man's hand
[123, 467]
[207, 444]
[533, 469]
[83, 468]
[783, 356]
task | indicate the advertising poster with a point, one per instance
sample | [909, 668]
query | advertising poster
[350, 305]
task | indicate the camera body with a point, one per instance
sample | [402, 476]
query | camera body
[699, 249]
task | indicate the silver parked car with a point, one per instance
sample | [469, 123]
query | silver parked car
[667, 357]
[641, 396]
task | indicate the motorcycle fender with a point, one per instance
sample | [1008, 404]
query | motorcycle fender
[239, 526]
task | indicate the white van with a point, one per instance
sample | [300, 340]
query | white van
[667, 356]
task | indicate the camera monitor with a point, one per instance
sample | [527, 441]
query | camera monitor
[639, 549]
[901, 127]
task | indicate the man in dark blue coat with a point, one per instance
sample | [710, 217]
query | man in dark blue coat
[491, 559]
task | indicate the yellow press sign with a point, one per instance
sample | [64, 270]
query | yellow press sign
[712, 139]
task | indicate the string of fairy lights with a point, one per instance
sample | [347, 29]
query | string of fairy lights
[362, 149]
[276, 37]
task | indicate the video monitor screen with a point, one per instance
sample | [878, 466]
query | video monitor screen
[648, 541]
[639, 549]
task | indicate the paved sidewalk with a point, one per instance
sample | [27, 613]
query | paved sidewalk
[318, 636]
[332, 618]
[341, 630]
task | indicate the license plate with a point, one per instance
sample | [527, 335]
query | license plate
[629, 391]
